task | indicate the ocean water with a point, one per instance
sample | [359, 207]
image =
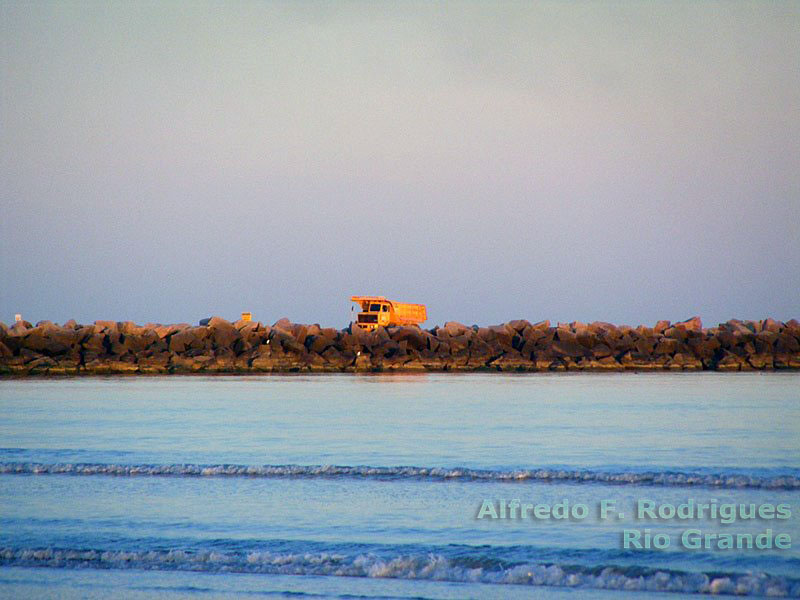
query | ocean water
[370, 486]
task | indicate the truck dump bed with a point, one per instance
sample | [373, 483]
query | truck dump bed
[409, 314]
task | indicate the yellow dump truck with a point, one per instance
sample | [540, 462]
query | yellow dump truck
[377, 311]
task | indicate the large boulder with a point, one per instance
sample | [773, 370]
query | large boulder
[736, 326]
[284, 324]
[520, 325]
[569, 348]
[600, 351]
[600, 327]
[139, 341]
[787, 344]
[772, 325]
[192, 338]
[19, 328]
[792, 327]
[458, 343]
[222, 333]
[335, 358]
[586, 338]
[486, 334]
[128, 327]
[287, 342]
[319, 343]
[685, 362]
[503, 334]
[412, 335]
[153, 362]
[453, 328]
[693, 324]
[300, 332]
[564, 333]
[731, 362]
[661, 327]
[94, 343]
[666, 346]
[165, 331]
[765, 341]
[645, 345]
[676, 333]
[761, 361]
[705, 348]
[49, 339]
[115, 343]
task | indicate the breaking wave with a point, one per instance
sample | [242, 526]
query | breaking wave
[650, 478]
[429, 566]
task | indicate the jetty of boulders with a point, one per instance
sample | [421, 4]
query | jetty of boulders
[220, 346]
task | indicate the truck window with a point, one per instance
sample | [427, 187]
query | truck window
[375, 308]
[385, 308]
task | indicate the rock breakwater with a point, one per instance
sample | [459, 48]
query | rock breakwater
[109, 347]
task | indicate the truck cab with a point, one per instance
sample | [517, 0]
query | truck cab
[373, 315]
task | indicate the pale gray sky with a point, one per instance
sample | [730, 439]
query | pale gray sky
[621, 161]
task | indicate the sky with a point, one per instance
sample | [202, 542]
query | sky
[615, 161]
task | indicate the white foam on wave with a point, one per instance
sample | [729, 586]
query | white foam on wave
[429, 567]
[654, 478]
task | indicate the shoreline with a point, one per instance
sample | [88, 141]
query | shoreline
[249, 347]
[83, 374]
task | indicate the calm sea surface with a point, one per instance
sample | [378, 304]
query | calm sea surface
[370, 486]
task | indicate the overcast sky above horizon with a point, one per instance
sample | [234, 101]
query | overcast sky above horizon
[615, 161]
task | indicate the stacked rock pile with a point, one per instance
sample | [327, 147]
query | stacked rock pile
[220, 346]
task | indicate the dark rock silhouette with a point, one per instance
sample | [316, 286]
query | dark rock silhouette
[219, 346]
